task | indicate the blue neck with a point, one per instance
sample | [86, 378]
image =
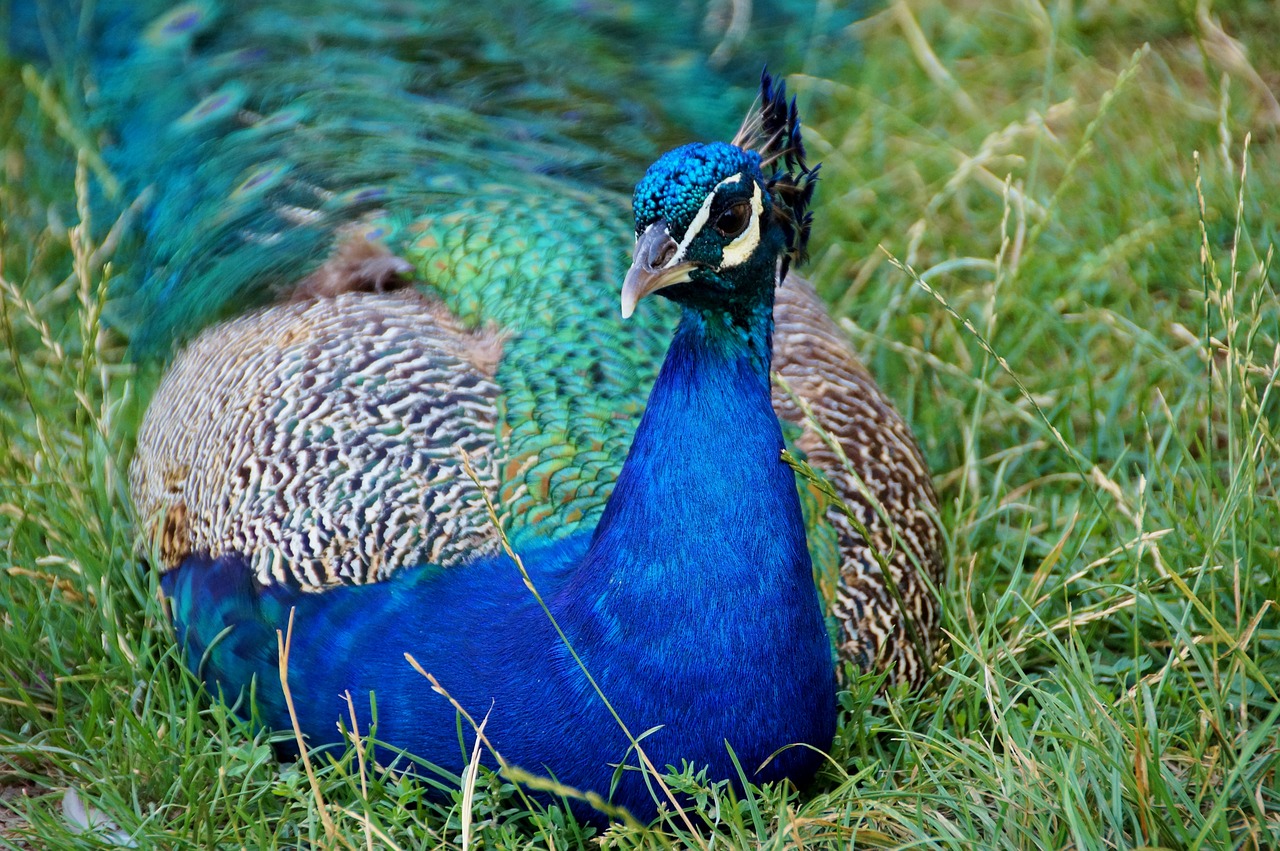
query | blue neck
[705, 517]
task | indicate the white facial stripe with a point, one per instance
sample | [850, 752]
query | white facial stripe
[737, 252]
[704, 212]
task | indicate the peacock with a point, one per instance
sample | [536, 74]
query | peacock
[419, 403]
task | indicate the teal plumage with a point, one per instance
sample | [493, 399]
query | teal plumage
[411, 241]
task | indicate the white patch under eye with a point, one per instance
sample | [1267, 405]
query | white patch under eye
[700, 220]
[737, 252]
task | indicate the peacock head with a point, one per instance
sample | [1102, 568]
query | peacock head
[718, 224]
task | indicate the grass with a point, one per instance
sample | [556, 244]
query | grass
[1049, 229]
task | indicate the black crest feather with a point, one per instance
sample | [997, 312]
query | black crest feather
[772, 129]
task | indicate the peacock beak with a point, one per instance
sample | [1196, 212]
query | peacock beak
[654, 265]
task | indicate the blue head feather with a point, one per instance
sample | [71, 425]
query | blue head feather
[675, 186]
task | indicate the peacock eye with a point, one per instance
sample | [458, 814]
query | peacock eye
[733, 221]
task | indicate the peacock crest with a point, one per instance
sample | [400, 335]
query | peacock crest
[772, 130]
